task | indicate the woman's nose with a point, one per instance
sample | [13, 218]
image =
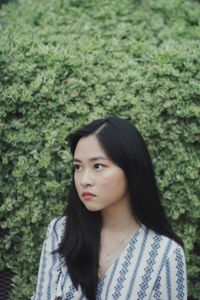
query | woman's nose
[86, 178]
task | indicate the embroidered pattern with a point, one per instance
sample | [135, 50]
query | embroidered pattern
[150, 266]
[99, 289]
[180, 274]
[70, 295]
[125, 265]
[157, 286]
[111, 277]
[157, 290]
[42, 272]
[141, 251]
[51, 269]
[168, 280]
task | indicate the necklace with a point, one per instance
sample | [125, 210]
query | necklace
[107, 256]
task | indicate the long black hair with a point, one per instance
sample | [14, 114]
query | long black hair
[125, 146]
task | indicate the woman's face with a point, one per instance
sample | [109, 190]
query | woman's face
[96, 173]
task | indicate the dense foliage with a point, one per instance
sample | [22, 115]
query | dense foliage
[64, 63]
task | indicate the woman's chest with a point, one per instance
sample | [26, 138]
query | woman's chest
[123, 280]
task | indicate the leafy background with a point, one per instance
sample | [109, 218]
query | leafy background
[66, 63]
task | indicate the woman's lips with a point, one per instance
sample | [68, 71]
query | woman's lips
[87, 195]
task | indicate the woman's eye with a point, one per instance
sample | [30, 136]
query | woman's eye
[76, 167]
[99, 166]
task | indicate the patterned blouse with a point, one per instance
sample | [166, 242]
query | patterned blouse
[151, 266]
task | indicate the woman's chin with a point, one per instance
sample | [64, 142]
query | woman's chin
[93, 208]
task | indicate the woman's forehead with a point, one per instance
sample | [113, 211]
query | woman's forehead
[89, 148]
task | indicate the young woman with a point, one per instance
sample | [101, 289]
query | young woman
[115, 241]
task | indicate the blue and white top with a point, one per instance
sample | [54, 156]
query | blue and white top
[151, 266]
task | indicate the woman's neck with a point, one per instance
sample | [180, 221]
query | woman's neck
[118, 218]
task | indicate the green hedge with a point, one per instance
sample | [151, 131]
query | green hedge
[65, 63]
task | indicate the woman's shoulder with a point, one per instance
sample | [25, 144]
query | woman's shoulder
[163, 243]
[56, 226]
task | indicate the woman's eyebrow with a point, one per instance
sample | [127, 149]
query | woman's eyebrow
[91, 159]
